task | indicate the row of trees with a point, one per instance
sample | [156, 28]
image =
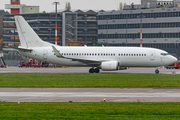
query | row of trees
[121, 6]
[68, 6]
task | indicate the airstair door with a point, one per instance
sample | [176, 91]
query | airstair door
[152, 55]
[45, 54]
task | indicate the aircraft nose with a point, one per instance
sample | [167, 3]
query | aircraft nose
[174, 59]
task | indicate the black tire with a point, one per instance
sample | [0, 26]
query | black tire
[157, 71]
[96, 70]
[91, 70]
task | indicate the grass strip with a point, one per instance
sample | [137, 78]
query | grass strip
[88, 80]
[101, 110]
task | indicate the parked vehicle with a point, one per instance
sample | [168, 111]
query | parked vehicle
[45, 64]
[32, 63]
[175, 65]
[22, 63]
[2, 60]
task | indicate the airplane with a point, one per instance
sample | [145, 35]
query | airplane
[104, 58]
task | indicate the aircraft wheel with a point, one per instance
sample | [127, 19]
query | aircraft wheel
[91, 70]
[157, 71]
[96, 70]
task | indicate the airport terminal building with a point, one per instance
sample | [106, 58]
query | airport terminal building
[78, 26]
[160, 28]
[73, 28]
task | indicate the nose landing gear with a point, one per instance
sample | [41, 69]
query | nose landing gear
[157, 71]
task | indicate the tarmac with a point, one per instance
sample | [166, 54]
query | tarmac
[86, 70]
[131, 94]
[89, 95]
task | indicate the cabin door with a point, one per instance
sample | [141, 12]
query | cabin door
[152, 55]
[45, 54]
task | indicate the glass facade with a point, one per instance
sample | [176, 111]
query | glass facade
[160, 28]
[138, 15]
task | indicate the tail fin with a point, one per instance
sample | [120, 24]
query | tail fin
[27, 36]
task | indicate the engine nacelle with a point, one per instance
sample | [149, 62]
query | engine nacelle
[109, 66]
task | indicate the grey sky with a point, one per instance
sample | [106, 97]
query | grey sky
[46, 5]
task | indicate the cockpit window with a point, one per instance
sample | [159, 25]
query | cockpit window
[164, 54]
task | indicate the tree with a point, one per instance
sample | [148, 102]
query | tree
[2, 12]
[120, 6]
[124, 4]
[68, 6]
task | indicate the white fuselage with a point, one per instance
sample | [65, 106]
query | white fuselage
[126, 56]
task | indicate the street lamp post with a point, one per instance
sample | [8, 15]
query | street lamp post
[141, 16]
[126, 32]
[56, 3]
[107, 31]
[141, 32]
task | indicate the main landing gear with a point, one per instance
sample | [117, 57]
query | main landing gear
[92, 70]
[157, 71]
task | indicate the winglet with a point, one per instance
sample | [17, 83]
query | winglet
[57, 53]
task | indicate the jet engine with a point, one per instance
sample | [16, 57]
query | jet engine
[109, 66]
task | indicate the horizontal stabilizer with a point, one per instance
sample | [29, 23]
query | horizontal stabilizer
[20, 48]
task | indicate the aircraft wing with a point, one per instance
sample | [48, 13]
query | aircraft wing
[86, 61]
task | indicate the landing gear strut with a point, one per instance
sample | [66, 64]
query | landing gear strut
[92, 70]
[157, 71]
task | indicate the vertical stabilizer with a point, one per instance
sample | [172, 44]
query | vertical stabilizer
[27, 35]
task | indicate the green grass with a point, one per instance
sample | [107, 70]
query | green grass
[87, 111]
[88, 80]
